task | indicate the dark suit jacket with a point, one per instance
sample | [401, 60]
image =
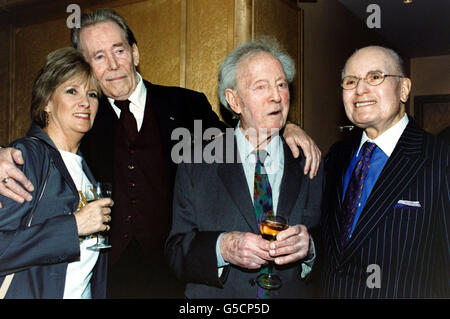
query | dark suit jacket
[410, 244]
[174, 108]
[214, 198]
[39, 238]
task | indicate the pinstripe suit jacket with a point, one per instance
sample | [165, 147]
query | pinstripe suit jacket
[411, 245]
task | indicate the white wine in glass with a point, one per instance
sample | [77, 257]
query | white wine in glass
[101, 190]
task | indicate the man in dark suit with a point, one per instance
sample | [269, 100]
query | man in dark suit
[130, 145]
[215, 243]
[385, 212]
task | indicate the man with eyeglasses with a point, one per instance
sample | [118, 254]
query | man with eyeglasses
[385, 226]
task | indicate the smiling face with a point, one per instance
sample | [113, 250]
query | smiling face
[113, 60]
[375, 108]
[71, 111]
[261, 97]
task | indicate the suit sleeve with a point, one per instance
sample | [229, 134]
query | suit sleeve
[201, 109]
[190, 251]
[442, 253]
[53, 241]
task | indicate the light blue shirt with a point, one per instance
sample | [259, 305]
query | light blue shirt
[386, 143]
[274, 163]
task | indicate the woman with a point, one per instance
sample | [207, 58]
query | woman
[43, 242]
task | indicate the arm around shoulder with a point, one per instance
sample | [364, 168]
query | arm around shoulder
[24, 243]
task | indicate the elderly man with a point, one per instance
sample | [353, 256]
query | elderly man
[130, 144]
[215, 243]
[385, 211]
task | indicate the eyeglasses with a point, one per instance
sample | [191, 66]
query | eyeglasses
[372, 78]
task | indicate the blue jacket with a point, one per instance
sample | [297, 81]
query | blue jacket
[39, 238]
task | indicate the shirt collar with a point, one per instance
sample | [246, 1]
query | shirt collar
[388, 140]
[139, 95]
[246, 149]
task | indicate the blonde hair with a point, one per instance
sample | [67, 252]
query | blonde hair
[60, 66]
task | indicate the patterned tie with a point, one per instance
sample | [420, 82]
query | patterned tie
[262, 201]
[262, 192]
[354, 191]
[127, 119]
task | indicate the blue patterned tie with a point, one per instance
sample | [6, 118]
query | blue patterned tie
[262, 201]
[354, 191]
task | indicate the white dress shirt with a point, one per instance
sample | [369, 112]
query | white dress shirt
[389, 138]
[137, 102]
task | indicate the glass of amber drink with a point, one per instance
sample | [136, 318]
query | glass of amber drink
[269, 228]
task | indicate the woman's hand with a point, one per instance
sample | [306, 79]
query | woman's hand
[93, 217]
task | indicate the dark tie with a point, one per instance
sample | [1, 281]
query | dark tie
[354, 191]
[262, 201]
[127, 119]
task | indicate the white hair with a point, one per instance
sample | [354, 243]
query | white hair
[229, 67]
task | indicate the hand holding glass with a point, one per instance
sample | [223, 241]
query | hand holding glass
[101, 190]
[270, 227]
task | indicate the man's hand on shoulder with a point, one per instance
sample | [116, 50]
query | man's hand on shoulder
[296, 137]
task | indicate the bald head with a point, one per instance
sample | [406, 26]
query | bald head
[392, 60]
[376, 101]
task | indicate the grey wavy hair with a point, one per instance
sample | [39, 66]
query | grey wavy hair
[230, 65]
[97, 16]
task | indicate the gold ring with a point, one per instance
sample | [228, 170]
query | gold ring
[5, 180]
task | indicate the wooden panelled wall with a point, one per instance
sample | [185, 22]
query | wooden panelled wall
[181, 43]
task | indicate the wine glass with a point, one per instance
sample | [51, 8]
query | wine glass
[269, 227]
[100, 190]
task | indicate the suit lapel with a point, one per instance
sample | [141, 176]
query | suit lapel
[339, 168]
[400, 169]
[37, 132]
[165, 114]
[290, 183]
[233, 178]
[345, 159]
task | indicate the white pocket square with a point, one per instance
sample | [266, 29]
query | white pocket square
[408, 203]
